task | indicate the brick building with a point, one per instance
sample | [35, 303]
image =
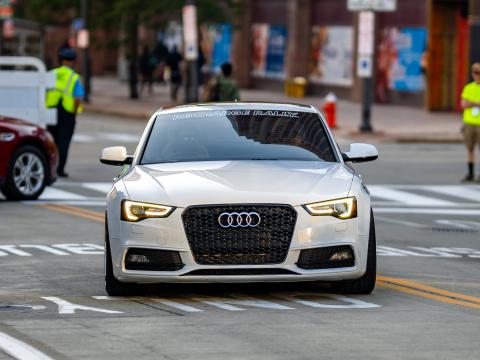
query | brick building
[423, 50]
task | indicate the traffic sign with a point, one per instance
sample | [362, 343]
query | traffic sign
[374, 5]
[364, 66]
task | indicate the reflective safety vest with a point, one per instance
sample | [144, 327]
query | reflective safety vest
[63, 90]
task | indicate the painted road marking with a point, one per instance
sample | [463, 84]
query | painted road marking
[100, 187]
[45, 248]
[177, 305]
[65, 249]
[19, 350]
[54, 193]
[234, 302]
[406, 197]
[427, 211]
[429, 292]
[87, 214]
[351, 302]
[462, 192]
[102, 136]
[219, 302]
[460, 224]
[67, 307]
[399, 222]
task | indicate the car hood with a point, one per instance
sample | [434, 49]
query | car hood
[229, 182]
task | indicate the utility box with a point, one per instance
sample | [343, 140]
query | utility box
[23, 84]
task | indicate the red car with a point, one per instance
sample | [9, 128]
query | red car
[28, 159]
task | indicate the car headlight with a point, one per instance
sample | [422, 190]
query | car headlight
[134, 211]
[345, 208]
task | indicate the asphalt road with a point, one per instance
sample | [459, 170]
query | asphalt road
[426, 304]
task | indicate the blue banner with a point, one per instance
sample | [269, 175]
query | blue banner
[277, 44]
[222, 46]
[407, 74]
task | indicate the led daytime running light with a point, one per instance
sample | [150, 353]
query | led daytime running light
[345, 208]
[134, 211]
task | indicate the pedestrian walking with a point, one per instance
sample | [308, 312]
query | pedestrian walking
[471, 118]
[148, 63]
[173, 62]
[66, 97]
[223, 87]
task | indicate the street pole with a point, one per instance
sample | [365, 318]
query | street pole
[190, 37]
[366, 52]
[86, 58]
[366, 105]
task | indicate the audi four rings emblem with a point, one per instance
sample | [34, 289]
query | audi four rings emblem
[239, 219]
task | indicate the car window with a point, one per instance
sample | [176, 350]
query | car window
[237, 135]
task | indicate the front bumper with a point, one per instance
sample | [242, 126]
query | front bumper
[310, 232]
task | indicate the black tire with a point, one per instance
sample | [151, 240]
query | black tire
[366, 283]
[113, 287]
[11, 190]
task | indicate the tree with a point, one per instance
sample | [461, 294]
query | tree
[125, 15]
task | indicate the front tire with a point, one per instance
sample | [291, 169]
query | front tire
[27, 174]
[113, 287]
[366, 283]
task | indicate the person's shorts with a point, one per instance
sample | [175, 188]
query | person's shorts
[471, 135]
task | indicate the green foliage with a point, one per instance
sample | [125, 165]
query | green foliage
[108, 14]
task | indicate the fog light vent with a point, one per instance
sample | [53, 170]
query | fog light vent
[326, 258]
[152, 260]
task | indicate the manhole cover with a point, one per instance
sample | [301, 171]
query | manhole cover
[20, 308]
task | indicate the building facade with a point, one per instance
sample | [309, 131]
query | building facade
[423, 50]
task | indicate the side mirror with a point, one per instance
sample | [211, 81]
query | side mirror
[115, 155]
[360, 153]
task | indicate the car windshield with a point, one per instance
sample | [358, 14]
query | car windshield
[216, 135]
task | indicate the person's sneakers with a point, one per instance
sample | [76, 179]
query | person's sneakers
[63, 174]
[468, 178]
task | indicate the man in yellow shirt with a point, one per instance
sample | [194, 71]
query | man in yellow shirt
[471, 117]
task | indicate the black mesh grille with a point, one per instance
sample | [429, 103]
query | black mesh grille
[152, 260]
[321, 258]
[268, 243]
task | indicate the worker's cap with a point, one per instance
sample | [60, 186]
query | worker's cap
[67, 54]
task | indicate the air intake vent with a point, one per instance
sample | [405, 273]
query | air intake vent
[152, 260]
[239, 272]
[329, 257]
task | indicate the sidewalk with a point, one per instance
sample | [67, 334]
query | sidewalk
[391, 123]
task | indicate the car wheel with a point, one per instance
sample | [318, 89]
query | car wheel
[113, 287]
[366, 283]
[27, 174]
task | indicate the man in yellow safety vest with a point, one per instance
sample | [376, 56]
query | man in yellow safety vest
[66, 97]
[471, 118]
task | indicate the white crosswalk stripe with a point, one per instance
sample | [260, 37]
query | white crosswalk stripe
[54, 193]
[462, 192]
[101, 187]
[409, 198]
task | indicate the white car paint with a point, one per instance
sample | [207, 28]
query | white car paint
[293, 183]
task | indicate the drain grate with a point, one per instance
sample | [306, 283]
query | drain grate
[454, 230]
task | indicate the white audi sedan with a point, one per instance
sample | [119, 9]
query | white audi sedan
[239, 192]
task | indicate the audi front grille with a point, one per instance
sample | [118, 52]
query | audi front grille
[267, 242]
